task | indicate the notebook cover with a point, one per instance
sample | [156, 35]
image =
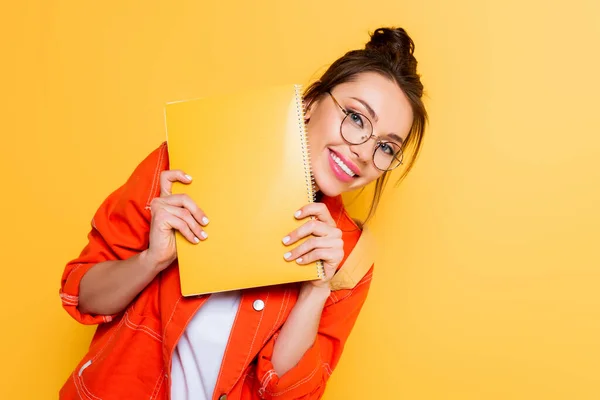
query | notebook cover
[247, 153]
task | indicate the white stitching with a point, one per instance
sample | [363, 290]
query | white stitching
[69, 302]
[264, 382]
[251, 344]
[186, 322]
[309, 377]
[143, 328]
[109, 340]
[125, 320]
[75, 382]
[257, 329]
[334, 297]
[171, 317]
[84, 388]
[286, 300]
[248, 375]
[155, 389]
[156, 174]
[237, 314]
[160, 385]
[281, 308]
[69, 296]
[156, 178]
[73, 269]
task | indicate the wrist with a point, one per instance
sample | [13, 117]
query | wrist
[149, 263]
[309, 290]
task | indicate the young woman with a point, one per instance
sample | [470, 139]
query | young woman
[280, 342]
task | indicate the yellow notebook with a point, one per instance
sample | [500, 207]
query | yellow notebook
[248, 155]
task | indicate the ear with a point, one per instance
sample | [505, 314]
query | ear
[308, 109]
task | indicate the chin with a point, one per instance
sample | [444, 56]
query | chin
[328, 187]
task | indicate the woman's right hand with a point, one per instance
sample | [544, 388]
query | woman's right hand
[172, 212]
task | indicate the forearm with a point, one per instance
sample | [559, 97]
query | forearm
[110, 286]
[300, 330]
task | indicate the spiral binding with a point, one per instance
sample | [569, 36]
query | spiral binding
[310, 179]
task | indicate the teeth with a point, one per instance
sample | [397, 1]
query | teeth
[343, 166]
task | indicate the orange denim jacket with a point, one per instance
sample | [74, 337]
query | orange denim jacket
[130, 354]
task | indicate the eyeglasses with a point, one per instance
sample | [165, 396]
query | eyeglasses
[357, 129]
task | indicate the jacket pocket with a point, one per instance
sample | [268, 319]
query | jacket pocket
[128, 365]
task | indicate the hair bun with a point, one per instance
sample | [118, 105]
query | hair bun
[393, 42]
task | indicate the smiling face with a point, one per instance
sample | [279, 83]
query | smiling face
[337, 165]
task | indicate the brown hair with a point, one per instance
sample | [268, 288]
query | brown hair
[389, 53]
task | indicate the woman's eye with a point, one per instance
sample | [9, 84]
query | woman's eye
[356, 119]
[387, 149]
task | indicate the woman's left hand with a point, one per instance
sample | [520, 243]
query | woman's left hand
[326, 243]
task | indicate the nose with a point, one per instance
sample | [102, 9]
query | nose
[364, 151]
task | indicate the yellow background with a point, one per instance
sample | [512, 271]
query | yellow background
[488, 277]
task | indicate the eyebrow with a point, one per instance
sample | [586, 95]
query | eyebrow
[374, 116]
[368, 107]
[396, 137]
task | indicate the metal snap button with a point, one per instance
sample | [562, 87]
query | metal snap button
[258, 305]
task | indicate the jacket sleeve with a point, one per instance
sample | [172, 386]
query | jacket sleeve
[308, 378]
[120, 229]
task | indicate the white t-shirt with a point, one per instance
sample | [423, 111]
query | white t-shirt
[199, 353]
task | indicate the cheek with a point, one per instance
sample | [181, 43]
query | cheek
[323, 129]
[371, 176]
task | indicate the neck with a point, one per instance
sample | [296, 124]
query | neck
[319, 197]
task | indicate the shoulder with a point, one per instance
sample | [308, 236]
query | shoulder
[143, 184]
[155, 162]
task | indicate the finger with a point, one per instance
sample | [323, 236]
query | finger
[318, 210]
[168, 221]
[186, 216]
[312, 244]
[185, 201]
[328, 256]
[167, 178]
[312, 227]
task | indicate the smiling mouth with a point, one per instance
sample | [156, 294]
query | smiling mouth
[342, 166]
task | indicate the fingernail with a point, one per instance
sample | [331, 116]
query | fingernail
[204, 220]
[297, 213]
[286, 240]
[299, 260]
[204, 235]
[189, 178]
[287, 255]
[196, 240]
